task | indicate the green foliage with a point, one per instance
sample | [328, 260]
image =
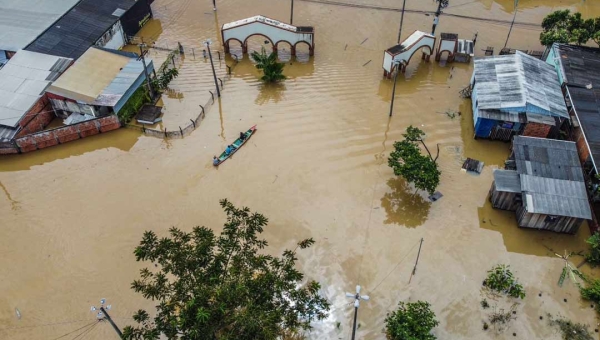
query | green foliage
[164, 78]
[593, 257]
[272, 69]
[502, 280]
[565, 27]
[411, 321]
[407, 161]
[223, 287]
[570, 330]
[591, 292]
[134, 104]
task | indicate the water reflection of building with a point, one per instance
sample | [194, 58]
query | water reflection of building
[516, 94]
[543, 184]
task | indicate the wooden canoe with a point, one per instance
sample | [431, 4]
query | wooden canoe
[237, 144]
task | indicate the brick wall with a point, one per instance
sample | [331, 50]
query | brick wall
[537, 130]
[44, 139]
[37, 118]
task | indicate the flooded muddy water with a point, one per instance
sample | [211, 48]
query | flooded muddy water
[317, 167]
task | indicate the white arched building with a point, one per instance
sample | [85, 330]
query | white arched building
[275, 31]
[418, 41]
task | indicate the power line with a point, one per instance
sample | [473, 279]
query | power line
[85, 332]
[78, 329]
[393, 9]
[43, 325]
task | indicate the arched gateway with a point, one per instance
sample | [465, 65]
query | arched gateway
[273, 30]
[403, 52]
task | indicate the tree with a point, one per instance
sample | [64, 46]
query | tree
[411, 321]
[223, 287]
[272, 70]
[563, 27]
[408, 162]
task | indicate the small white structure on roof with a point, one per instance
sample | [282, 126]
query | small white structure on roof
[23, 81]
[402, 53]
[275, 31]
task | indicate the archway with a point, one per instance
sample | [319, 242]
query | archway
[256, 42]
[423, 56]
[235, 47]
[450, 56]
[303, 50]
[285, 50]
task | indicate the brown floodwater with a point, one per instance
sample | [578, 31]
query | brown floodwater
[317, 167]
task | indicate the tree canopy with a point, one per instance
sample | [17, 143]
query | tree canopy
[407, 161]
[272, 69]
[411, 321]
[223, 287]
[565, 27]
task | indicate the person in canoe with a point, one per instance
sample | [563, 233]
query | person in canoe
[215, 160]
[228, 150]
[242, 136]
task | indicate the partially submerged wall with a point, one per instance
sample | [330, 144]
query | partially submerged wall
[61, 135]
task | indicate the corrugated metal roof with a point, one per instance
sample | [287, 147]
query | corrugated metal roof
[89, 76]
[21, 21]
[80, 28]
[99, 77]
[122, 82]
[580, 64]
[507, 180]
[547, 158]
[555, 197]
[518, 83]
[23, 81]
[587, 107]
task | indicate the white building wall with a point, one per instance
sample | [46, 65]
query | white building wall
[448, 45]
[241, 33]
[113, 38]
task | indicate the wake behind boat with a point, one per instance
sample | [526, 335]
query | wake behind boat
[237, 144]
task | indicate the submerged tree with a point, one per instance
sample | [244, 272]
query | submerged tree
[565, 27]
[408, 162]
[411, 321]
[223, 287]
[272, 69]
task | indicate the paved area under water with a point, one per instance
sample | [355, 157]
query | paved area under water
[71, 215]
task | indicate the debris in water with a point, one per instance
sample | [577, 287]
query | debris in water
[18, 312]
[473, 165]
[345, 47]
[436, 196]
[364, 41]
[365, 64]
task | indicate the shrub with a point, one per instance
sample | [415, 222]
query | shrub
[502, 280]
[593, 257]
[411, 321]
[133, 105]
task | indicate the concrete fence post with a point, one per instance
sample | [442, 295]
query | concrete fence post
[193, 123]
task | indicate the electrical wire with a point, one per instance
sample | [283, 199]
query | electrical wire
[78, 329]
[85, 332]
[44, 325]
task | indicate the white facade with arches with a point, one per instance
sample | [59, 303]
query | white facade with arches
[273, 30]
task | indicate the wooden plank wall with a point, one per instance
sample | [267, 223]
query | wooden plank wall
[561, 224]
[502, 199]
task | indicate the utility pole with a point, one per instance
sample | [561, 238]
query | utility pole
[512, 23]
[357, 297]
[416, 262]
[401, 20]
[142, 57]
[208, 42]
[436, 20]
[292, 14]
[214, 5]
[397, 63]
[103, 314]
